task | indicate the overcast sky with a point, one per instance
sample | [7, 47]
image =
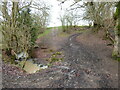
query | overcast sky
[56, 11]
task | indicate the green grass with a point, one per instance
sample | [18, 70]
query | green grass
[46, 32]
[59, 27]
[49, 28]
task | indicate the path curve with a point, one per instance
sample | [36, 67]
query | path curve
[88, 65]
[81, 68]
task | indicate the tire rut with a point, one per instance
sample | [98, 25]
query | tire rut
[86, 63]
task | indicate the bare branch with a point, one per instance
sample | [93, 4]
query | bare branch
[26, 6]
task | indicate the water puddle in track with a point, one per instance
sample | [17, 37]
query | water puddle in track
[30, 67]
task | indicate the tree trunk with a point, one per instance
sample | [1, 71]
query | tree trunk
[116, 49]
[5, 11]
[96, 27]
[14, 38]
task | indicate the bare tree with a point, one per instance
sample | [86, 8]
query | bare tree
[15, 38]
[16, 26]
[42, 12]
[62, 18]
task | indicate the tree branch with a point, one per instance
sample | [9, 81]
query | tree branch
[26, 5]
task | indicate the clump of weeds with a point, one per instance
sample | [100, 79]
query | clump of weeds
[55, 57]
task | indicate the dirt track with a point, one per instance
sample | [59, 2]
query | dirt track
[94, 69]
[83, 67]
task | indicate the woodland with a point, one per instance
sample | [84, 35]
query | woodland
[34, 55]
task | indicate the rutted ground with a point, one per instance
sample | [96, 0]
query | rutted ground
[95, 69]
[84, 67]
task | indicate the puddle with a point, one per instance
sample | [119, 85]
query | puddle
[30, 67]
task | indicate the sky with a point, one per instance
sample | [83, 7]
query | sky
[56, 11]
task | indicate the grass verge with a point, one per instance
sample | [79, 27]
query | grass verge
[46, 32]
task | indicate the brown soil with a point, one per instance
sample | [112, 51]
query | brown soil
[96, 43]
[49, 44]
[80, 69]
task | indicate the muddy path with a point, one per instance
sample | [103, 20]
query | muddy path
[93, 70]
[51, 40]
[81, 68]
